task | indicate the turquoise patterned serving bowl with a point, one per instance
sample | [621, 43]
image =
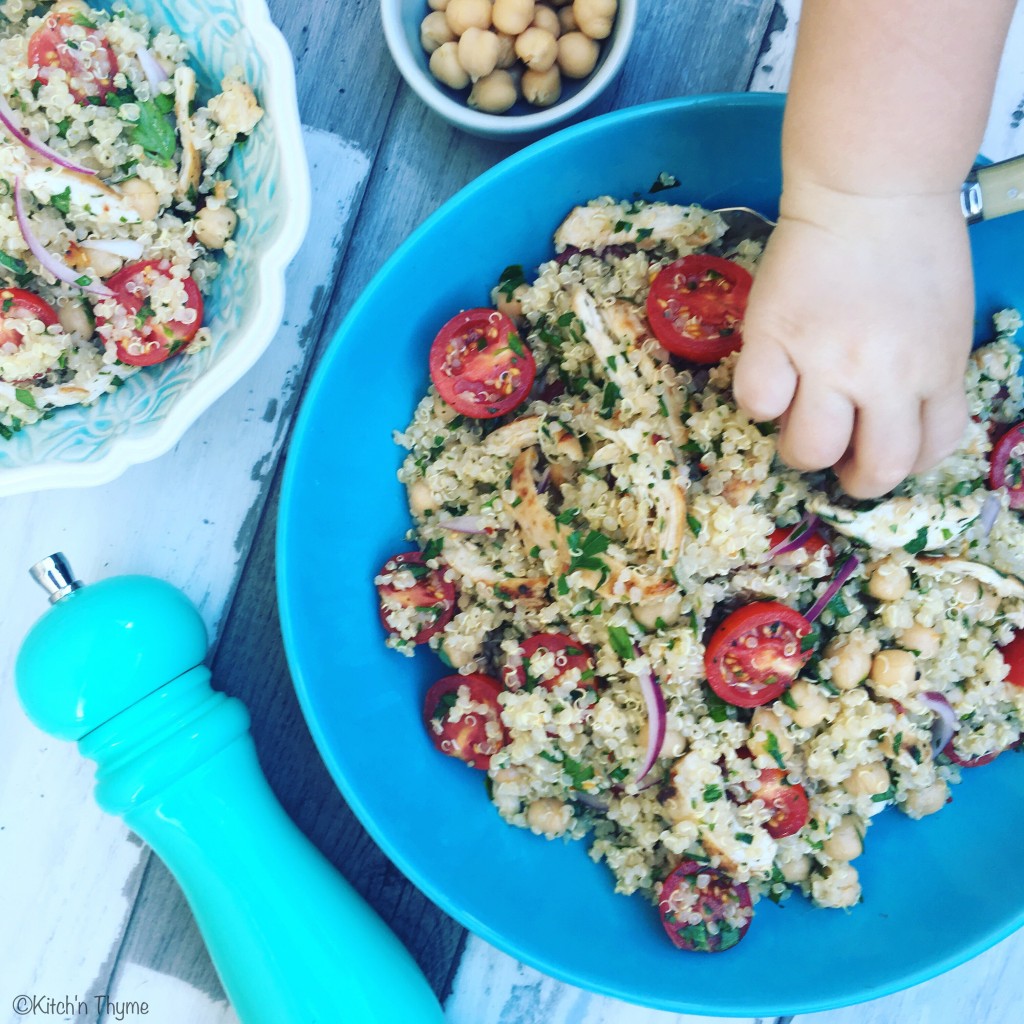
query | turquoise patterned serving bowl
[82, 446]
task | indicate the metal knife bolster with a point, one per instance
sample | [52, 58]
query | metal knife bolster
[971, 200]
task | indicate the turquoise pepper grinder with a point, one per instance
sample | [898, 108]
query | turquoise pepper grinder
[117, 666]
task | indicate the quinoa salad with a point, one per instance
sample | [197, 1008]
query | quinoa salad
[658, 636]
[113, 202]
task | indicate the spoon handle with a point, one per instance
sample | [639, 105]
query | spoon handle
[994, 191]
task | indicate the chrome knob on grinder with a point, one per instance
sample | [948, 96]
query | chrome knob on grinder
[117, 667]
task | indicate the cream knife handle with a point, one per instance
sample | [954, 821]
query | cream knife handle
[994, 191]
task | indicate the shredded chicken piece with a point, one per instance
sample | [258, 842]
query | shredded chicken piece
[191, 168]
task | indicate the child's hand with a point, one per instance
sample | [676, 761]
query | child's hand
[857, 334]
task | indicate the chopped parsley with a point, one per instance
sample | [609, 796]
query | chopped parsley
[772, 746]
[584, 552]
[664, 181]
[153, 132]
[712, 791]
[511, 278]
[62, 201]
[609, 399]
[919, 543]
[621, 641]
[25, 396]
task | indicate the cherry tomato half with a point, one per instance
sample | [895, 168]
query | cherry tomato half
[809, 545]
[90, 69]
[1007, 465]
[1013, 655]
[696, 305]
[18, 304]
[786, 800]
[756, 653]
[568, 654]
[145, 341]
[694, 896]
[431, 598]
[473, 733]
[479, 366]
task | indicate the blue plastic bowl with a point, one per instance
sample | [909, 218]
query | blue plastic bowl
[936, 892]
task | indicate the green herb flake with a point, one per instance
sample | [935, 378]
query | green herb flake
[516, 345]
[11, 263]
[25, 396]
[153, 132]
[695, 526]
[772, 746]
[62, 201]
[919, 543]
[789, 700]
[712, 792]
[744, 837]
[621, 641]
[511, 278]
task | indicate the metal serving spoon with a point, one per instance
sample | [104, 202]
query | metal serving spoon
[989, 192]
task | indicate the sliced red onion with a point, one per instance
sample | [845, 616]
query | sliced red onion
[944, 726]
[989, 513]
[807, 526]
[657, 720]
[155, 74]
[464, 524]
[126, 248]
[545, 480]
[9, 121]
[47, 260]
[834, 587]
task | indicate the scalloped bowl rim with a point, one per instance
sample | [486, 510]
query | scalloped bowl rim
[497, 125]
[294, 200]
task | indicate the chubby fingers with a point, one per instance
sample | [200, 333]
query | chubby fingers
[765, 381]
[885, 447]
[943, 421]
[815, 433]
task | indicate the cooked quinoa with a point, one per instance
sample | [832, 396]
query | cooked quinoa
[138, 234]
[624, 442]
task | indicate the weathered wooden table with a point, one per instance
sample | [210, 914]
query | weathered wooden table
[85, 909]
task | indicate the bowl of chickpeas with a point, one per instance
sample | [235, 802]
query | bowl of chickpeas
[508, 67]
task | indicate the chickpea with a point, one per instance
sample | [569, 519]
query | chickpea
[463, 14]
[567, 20]
[922, 802]
[445, 66]
[421, 498]
[141, 197]
[595, 17]
[667, 610]
[894, 673]
[437, 5]
[888, 580]
[542, 88]
[478, 52]
[537, 49]
[506, 50]
[840, 889]
[845, 843]
[548, 817]
[546, 18]
[495, 93]
[577, 54]
[511, 305]
[105, 264]
[922, 639]
[214, 225]
[867, 780]
[763, 724]
[812, 706]
[676, 808]
[796, 870]
[75, 317]
[513, 16]
[852, 661]
[435, 30]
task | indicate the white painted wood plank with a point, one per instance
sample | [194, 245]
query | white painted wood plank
[1004, 136]
[493, 988]
[68, 871]
[168, 1001]
[988, 990]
